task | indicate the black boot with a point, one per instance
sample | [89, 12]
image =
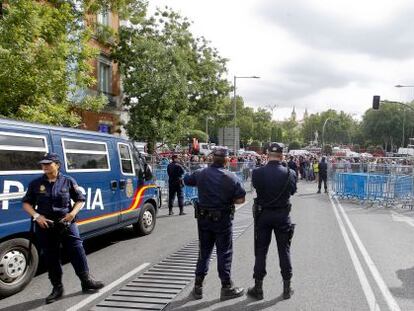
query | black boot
[229, 291]
[287, 290]
[170, 212]
[319, 191]
[57, 293]
[89, 285]
[256, 291]
[198, 287]
[182, 211]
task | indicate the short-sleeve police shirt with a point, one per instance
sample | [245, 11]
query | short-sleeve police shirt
[53, 198]
[217, 187]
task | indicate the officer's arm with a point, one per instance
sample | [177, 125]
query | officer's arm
[293, 182]
[191, 179]
[77, 196]
[29, 201]
[239, 194]
[254, 177]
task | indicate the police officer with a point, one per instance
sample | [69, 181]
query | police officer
[55, 224]
[175, 184]
[274, 185]
[218, 191]
[323, 175]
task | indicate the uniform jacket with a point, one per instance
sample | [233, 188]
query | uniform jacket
[53, 199]
[175, 173]
[269, 182]
[217, 187]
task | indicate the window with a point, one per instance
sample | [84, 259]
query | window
[127, 165]
[104, 75]
[103, 18]
[85, 156]
[21, 153]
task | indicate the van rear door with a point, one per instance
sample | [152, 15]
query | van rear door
[90, 160]
[130, 196]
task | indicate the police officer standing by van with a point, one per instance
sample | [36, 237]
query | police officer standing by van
[175, 173]
[55, 224]
[218, 191]
[274, 185]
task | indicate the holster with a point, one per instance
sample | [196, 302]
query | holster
[214, 214]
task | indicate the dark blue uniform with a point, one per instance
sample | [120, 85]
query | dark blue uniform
[269, 181]
[217, 190]
[53, 201]
[323, 175]
[175, 185]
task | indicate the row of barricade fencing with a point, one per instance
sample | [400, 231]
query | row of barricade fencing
[383, 184]
[241, 169]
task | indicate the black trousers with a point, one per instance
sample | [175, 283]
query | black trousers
[50, 241]
[277, 222]
[220, 234]
[172, 191]
[323, 178]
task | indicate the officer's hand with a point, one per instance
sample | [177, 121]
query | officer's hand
[43, 222]
[68, 218]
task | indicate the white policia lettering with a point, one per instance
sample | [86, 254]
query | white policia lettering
[13, 186]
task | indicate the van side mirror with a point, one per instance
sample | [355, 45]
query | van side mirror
[147, 172]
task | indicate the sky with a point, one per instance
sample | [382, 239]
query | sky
[310, 54]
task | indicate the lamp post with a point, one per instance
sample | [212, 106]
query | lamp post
[323, 131]
[207, 119]
[403, 129]
[235, 106]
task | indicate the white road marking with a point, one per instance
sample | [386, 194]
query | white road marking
[366, 287]
[402, 218]
[107, 288]
[389, 298]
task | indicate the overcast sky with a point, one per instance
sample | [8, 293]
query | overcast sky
[314, 54]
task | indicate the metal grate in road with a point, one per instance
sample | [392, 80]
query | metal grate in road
[158, 286]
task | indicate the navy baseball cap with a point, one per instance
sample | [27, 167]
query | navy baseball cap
[221, 152]
[275, 147]
[50, 158]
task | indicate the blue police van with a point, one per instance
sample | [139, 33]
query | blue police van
[116, 181]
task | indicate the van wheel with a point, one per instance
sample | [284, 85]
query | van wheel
[15, 272]
[146, 221]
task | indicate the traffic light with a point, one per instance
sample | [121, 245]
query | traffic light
[376, 102]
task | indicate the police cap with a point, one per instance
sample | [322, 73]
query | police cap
[50, 158]
[220, 152]
[275, 147]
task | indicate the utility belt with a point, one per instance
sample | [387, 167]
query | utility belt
[214, 214]
[259, 208]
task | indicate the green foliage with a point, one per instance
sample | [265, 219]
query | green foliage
[200, 135]
[45, 59]
[170, 77]
[294, 145]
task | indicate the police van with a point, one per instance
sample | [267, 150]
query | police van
[112, 174]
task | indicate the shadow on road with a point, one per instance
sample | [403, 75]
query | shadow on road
[33, 304]
[247, 304]
[407, 287]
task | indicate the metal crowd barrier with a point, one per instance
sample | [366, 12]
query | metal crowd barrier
[384, 187]
[241, 169]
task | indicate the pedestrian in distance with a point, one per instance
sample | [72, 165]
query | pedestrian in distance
[292, 165]
[55, 225]
[175, 173]
[274, 185]
[218, 191]
[323, 175]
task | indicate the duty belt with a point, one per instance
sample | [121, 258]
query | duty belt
[214, 214]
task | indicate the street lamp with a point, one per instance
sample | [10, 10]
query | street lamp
[235, 106]
[207, 119]
[323, 130]
[403, 129]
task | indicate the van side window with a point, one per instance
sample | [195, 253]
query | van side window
[125, 157]
[85, 155]
[21, 152]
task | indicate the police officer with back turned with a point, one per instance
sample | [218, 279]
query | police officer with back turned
[175, 184]
[274, 185]
[218, 191]
[55, 224]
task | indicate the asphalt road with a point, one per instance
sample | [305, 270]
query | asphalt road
[345, 257]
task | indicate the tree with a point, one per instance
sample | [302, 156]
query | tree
[45, 59]
[172, 80]
[294, 145]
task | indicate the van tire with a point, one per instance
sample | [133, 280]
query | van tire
[15, 251]
[147, 219]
